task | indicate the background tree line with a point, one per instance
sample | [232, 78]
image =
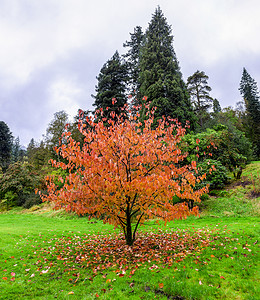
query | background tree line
[148, 69]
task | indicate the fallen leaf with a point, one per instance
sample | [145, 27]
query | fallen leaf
[161, 285]
[71, 293]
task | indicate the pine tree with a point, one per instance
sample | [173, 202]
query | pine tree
[249, 91]
[160, 78]
[112, 81]
[199, 89]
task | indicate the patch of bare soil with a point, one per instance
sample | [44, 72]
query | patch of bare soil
[254, 194]
[242, 183]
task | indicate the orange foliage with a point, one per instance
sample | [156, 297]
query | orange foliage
[126, 172]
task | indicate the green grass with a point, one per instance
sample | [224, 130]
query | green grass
[39, 251]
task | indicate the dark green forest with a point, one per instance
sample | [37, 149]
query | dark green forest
[148, 72]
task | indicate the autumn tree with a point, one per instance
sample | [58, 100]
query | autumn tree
[199, 92]
[127, 172]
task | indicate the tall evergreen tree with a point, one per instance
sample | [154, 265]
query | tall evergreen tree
[160, 77]
[6, 141]
[216, 106]
[199, 89]
[55, 130]
[249, 91]
[112, 81]
[133, 59]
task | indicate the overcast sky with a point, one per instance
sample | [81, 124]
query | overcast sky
[52, 50]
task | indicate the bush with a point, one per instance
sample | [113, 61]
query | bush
[31, 200]
[18, 183]
[216, 173]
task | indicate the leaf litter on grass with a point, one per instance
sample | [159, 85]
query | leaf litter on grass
[78, 255]
[85, 257]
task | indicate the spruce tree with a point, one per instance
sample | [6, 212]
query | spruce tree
[199, 89]
[160, 77]
[112, 81]
[249, 91]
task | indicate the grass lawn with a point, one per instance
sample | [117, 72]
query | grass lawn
[44, 255]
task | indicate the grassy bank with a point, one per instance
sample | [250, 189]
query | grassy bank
[46, 255]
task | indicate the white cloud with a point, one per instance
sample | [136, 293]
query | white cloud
[63, 93]
[52, 50]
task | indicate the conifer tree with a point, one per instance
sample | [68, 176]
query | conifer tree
[6, 140]
[112, 81]
[249, 91]
[216, 106]
[17, 152]
[160, 77]
[199, 89]
[133, 59]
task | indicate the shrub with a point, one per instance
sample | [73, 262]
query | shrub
[216, 173]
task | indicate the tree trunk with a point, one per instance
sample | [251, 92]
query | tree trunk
[128, 231]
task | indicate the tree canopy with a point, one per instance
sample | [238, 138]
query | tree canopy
[126, 173]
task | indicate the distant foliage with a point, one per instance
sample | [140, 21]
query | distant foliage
[230, 148]
[18, 184]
